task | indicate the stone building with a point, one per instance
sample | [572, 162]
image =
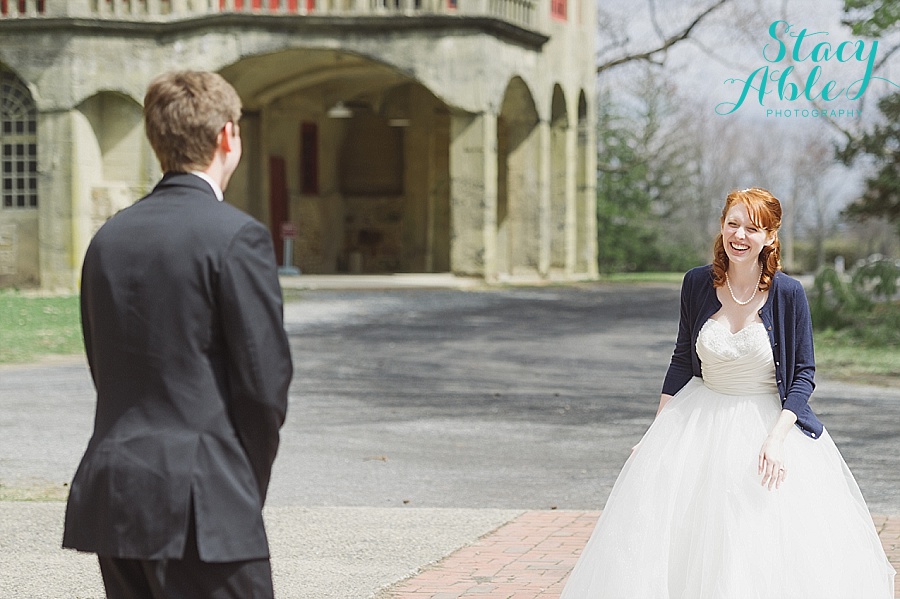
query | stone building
[385, 135]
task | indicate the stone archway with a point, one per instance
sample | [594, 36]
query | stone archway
[352, 153]
[113, 159]
[518, 185]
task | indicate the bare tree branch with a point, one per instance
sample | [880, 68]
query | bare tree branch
[655, 22]
[714, 55]
[651, 55]
[609, 169]
[800, 79]
[823, 110]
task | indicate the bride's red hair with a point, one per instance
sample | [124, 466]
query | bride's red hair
[765, 213]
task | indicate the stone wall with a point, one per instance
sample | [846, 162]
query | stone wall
[19, 250]
[455, 191]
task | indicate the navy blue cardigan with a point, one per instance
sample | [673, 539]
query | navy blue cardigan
[787, 320]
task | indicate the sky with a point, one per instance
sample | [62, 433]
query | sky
[733, 43]
[736, 41]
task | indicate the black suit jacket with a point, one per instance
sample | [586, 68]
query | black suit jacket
[183, 328]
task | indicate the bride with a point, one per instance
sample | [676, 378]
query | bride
[737, 490]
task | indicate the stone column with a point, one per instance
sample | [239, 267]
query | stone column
[590, 198]
[180, 7]
[571, 231]
[586, 203]
[86, 169]
[545, 214]
[69, 8]
[473, 194]
[55, 176]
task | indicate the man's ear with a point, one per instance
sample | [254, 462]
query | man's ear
[224, 137]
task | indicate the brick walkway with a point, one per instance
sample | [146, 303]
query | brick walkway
[530, 558]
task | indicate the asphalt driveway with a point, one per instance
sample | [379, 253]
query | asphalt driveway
[512, 398]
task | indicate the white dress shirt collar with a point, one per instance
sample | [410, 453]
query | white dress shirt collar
[215, 186]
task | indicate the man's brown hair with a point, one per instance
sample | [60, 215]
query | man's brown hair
[184, 112]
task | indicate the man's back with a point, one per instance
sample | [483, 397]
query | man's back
[181, 313]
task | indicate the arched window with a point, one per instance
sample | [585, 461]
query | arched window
[18, 144]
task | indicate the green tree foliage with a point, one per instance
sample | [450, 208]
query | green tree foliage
[625, 237]
[644, 173]
[881, 198]
[872, 17]
[881, 145]
[862, 308]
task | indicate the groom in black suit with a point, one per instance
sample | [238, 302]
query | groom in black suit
[183, 328]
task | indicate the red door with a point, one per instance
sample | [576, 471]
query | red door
[278, 202]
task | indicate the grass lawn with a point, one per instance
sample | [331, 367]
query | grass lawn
[643, 277]
[34, 327]
[843, 360]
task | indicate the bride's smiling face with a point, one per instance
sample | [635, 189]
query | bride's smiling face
[742, 238]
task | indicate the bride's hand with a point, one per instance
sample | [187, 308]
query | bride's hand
[771, 463]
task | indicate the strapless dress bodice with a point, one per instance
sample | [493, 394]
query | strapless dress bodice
[736, 363]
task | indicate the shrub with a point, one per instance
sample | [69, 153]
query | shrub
[860, 308]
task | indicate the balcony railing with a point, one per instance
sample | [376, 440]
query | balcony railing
[519, 12]
[22, 8]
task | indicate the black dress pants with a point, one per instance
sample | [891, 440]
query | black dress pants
[186, 578]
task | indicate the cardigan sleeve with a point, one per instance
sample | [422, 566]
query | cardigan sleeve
[802, 383]
[680, 369]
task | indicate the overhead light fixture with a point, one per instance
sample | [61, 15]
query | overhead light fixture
[339, 111]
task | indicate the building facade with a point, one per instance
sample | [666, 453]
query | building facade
[379, 135]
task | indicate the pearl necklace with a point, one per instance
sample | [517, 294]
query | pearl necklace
[755, 289]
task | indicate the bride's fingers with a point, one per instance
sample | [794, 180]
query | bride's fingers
[765, 468]
[782, 476]
[770, 475]
[774, 475]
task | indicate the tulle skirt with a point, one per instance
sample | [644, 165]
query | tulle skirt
[689, 519]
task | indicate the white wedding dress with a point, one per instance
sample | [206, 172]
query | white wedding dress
[689, 519]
